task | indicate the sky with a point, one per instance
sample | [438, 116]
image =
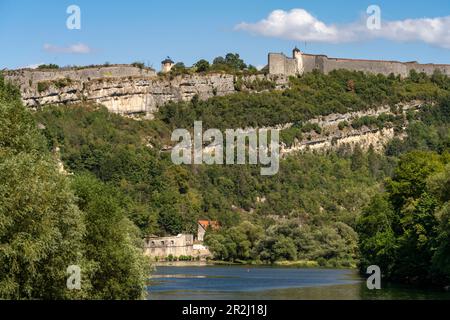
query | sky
[36, 32]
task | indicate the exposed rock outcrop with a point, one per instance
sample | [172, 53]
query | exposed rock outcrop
[125, 89]
[332, 137]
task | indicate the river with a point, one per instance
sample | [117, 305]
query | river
[257, 282]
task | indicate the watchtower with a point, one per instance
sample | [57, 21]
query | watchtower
[166, 65]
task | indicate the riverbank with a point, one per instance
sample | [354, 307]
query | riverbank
[182, 263]
[293, 264]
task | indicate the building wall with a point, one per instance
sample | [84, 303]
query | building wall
[429, 68]
[280, 64]
[309, 63]
[325, 64]
[166, 67]
[375, 67]
[277, 63]
[200, 233]
[180, 245]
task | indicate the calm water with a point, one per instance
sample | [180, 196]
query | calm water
[250, 282]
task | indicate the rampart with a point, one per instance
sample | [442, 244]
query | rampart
[280, 64]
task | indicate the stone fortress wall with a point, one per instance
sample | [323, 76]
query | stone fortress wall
[128, 90]
[283, 65]
[180, 245]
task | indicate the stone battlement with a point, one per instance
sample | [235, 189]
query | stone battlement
[301, 62]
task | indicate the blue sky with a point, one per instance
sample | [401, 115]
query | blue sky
[34, 32]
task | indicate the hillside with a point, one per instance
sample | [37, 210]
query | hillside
[120, 185]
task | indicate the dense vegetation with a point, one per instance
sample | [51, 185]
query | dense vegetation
[312, 95]
[122, 187]
[230, 64]
[49, 222]
[405, 229]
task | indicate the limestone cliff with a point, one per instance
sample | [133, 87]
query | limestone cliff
[332, 137]
[126, 89]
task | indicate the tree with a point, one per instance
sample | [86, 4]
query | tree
[357, 158]
[40, 226]
[218, 61]
[405, 231]
[409, 180]
[441, 258]
[202, 65]
[216, 244]
[170, 221]
[234, 61]
[41, 229]
[439, 185]
[48, 66]
[284, 249]
[112, 244]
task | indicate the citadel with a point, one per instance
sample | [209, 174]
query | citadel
[130, 89]
[301, 63]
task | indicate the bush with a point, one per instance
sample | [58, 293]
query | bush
[43, 86]
[137, 64]
[48, 66]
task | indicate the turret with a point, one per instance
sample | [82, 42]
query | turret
[297, 55]
[166, 65]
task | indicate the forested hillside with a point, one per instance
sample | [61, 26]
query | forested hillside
[121, 186]
[49, 221]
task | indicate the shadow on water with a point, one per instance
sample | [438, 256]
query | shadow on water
[250, 282]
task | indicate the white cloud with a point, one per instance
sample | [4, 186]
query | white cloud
[300, 25]
[434, 31]
[32, 66]
[78, 48]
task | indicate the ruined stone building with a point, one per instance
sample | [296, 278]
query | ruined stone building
[162, 247]
[180, 245]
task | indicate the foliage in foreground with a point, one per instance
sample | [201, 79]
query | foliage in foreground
[405, 230]
[48, 222]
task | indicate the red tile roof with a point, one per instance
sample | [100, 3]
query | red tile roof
[208, 223]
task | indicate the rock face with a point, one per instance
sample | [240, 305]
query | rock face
[332, 138]
[363, 138]
[125, 89]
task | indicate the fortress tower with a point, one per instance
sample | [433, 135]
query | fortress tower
[166, 65]
[280, 64]
[297, 55]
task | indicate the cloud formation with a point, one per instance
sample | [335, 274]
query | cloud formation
[78, 48]
[32, 66]
[300, 25]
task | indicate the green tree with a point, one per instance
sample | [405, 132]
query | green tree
[41, 229]
[112, 244]
[40, 225]
[202, 65]
[170, 221]
[405, 231]
[284, 249]
[234, 61]
[409, 180]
